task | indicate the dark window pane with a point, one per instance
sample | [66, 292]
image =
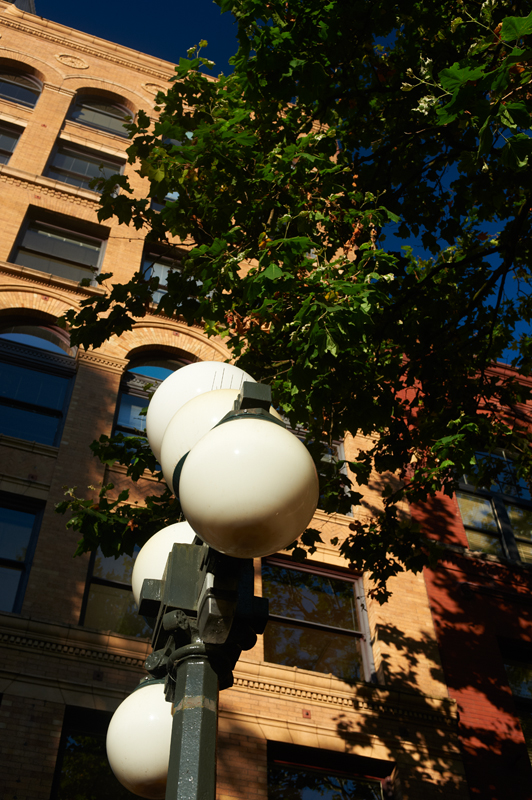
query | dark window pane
[62, 245]
[310, 597]
[19, 88]
[8, 140]
[85, 771]
[9, 582]
[113, 609]
[129, 412]
[96, 113]
[30, 425]
[315, 650]
[15, 533]
[519, 675]
[113, 569]
[32, 386]
[79, 168]
[294, 783]
[477, 512]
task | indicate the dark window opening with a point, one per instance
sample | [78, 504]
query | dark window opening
[517, 657]
[35, 390]
[104, 115]
[304, 773]
[82, 770]
[20, 520]
[9, 136]
[109, 603]
[79, 167]
[498, 518]
[59, 251]
[155, 265]
[317, 621]
[19, 87]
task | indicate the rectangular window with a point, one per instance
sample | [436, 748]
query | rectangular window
[9, 136]
[519, 673]
[52, 249]
[109, 603]
[20, 520]
[82, 770]
[498, 518]
[78, 167]
[158, 266]
[305, 773]
[317, 621]
[34, 393]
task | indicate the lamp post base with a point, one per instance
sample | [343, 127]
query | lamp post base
[192, 766]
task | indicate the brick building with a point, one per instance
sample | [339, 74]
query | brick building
[359, 698]
[480, 597]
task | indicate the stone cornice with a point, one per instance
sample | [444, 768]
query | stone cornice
[71, 39]
[314, 689]
[95, 359]
[51, 187]
[43, 280]
[31, 447]
[72, 642]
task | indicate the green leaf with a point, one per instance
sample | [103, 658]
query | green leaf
[272, 272]
[515, 27]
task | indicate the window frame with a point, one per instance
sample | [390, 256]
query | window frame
[60, 226]
[78, 104]
[37, 360]
[79, 150]
[36, 507]
[313, 759]
[7, 127]
[498, 501]
[32, 79]
[363, 635]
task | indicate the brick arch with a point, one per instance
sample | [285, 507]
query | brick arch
[167, 336]
[48, 303]
[43, 70]
[115, 92]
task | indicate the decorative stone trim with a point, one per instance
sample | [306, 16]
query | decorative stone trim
[71, 61]
[31, 447]
[92, 358]
[45, 279]
[446, 716]
[154, 88]
[65, 649]
[50, 187]
[71, 44]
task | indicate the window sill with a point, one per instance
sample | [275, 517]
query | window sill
[90, 133]
[49, 279]
[479, 555]
[50, 183]
[32, 447]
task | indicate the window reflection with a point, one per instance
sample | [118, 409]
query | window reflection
[287, 782]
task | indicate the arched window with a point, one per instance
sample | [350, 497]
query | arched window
[19, 87]
[152, 369]
[109, 603]
[98, 112]
[36, 379]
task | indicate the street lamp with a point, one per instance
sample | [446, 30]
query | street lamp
[248, 488]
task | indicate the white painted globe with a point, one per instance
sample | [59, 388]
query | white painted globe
[249, 488]
[190, 424]
[182, 386]
[151, 559]
[138, 741]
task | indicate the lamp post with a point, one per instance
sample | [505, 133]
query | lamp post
[248, 488]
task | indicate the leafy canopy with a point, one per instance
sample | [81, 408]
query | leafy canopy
[358, 191]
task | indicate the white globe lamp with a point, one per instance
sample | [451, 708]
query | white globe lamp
[249, 488]
[138, 741]
[151, 559]
[180, 387]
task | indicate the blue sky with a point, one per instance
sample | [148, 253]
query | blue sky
[166, 33]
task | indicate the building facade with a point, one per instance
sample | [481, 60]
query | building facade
[354, 698]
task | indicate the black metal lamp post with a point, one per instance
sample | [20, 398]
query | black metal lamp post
[203, 606]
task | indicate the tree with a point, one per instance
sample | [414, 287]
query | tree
[346, 129]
